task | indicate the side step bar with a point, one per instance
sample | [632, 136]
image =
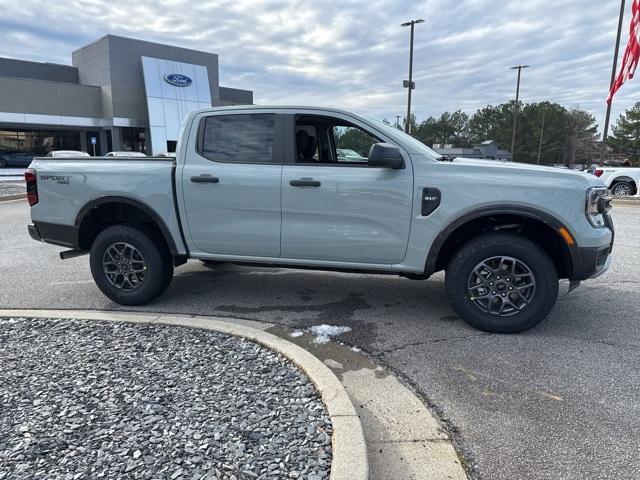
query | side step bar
[67, 254]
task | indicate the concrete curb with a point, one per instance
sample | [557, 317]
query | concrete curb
[349, 451]
[626, 200]
[15, 196]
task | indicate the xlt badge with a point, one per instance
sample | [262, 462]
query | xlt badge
[430, 200]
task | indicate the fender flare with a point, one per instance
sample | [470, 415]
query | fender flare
[532, 213]
[160, 223]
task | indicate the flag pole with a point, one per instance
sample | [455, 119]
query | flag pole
[613, 78]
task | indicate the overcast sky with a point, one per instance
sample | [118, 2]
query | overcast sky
[354, 54]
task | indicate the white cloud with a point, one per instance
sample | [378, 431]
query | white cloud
[354, 54]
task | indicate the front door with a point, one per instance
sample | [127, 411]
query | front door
[231, 186]
[334, 206]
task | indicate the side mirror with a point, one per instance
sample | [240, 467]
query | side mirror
[385, 155]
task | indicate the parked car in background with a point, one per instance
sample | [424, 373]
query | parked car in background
[126, 154]
[9, 158]
[266, 186]
[67, 153]
[622, 181]
[347, 155]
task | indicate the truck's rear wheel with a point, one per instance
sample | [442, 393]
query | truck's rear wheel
[130, 266]
[501, 283]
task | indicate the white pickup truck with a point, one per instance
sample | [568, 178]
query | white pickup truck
[268, 186]
[621, 181]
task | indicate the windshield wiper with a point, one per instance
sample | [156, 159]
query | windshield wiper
[444, 158]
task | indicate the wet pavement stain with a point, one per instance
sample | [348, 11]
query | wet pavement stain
[339, 358]
[341, 310]
[338, 313]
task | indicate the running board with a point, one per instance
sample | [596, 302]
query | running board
[67, 254]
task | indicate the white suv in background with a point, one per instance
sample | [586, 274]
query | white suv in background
[67, 153]
[125, 154]
[622, 181]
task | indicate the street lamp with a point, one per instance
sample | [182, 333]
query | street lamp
[515, 110]
[408, 84]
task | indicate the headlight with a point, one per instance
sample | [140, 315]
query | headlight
[598, 203]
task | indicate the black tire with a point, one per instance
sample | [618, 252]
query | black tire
[156, 263]
[622, 189]
[525, 256]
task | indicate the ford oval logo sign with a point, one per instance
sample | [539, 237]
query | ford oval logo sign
[178, 80]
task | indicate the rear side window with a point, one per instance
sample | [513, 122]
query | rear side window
[239, 138]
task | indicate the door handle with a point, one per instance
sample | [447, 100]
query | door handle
[305, 182]
[205, 178]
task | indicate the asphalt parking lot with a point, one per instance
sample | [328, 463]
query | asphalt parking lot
[560, 401]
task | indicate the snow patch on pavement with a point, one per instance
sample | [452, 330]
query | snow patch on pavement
[323, 333]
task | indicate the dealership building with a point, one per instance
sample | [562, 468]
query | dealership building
[118, 94]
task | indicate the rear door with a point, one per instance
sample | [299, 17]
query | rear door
[336, 208]
[231, 185]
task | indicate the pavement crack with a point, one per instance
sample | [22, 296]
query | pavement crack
[434, 340]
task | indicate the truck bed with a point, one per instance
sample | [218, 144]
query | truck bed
[68, 187]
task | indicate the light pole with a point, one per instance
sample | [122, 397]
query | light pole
[409, 83]
[515, 110]
[603, 152]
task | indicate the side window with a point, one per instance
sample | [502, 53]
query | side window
[246, 138]
[352, 143]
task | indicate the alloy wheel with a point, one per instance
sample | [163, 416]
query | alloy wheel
[501, 286]
[622, 190]
[124, 266]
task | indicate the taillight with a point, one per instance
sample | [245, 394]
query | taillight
[598, 172]
[31, 178]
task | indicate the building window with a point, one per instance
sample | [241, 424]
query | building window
[38, 142]
[134, 140]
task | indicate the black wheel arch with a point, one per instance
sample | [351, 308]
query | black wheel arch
[86, 211]
[623, 179]
[439, 245]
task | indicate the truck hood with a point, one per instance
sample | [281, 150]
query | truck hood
[498, 163]
[528, 171]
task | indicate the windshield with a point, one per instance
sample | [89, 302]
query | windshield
[402, 137]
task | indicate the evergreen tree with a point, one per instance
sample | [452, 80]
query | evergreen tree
[492, 123]
[626, 133]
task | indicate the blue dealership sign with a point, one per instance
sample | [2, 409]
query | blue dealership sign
[178, 80]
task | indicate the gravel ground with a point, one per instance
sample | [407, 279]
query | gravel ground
[110, 400]
[12, 188]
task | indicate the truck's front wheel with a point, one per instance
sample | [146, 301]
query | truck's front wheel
[501, 283]
[130, 266]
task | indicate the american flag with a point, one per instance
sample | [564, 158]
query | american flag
[631, 54]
